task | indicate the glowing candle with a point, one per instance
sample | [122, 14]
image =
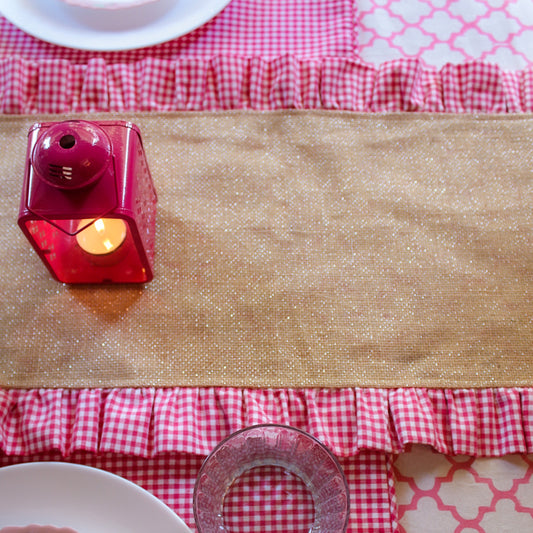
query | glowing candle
[103, 236]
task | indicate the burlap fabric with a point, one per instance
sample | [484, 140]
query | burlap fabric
[296, 249]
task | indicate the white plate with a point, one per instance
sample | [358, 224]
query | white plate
[121, 29]
[83, 498]
[107, 4]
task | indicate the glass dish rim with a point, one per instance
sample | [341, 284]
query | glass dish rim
[325, 449]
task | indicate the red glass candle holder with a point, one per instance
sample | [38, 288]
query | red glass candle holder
[88, 204]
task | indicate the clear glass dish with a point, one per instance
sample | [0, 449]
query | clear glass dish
[293, 451]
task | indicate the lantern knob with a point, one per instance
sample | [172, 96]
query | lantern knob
[71, 154]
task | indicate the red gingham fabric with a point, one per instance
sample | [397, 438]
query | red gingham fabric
[228, 82]
[149, 422]
[159, 437]
[245, 28]
[171, 478]
[256, 54]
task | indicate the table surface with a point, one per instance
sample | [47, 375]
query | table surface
[408, 454]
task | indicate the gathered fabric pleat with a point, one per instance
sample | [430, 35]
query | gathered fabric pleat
[148, 421]
[285, 82]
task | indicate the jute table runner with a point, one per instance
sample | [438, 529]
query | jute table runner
[296, 249]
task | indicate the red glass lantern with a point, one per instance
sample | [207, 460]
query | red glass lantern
[88, 204]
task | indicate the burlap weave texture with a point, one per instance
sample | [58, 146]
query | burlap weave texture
[296, 249]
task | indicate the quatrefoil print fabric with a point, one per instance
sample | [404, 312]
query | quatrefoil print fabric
[443, 31]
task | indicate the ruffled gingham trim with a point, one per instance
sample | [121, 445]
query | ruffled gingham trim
[150, 421]
[226, 82]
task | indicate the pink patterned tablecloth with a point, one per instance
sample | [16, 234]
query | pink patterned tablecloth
[400, 448]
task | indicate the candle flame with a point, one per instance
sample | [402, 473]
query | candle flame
[103, 236]
[99, 226]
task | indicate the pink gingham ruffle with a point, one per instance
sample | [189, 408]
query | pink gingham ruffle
[227, 82]
[149, 421]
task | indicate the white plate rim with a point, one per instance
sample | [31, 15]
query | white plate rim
[51, 23]
[24, 476]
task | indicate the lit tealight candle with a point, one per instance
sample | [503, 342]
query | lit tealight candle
[103, 236]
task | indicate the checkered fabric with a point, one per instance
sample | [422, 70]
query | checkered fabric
[151, 422]
[238, 61]
[171, 478]
[284, 82]
[159, 437]
[256, 54]
[245, 28]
